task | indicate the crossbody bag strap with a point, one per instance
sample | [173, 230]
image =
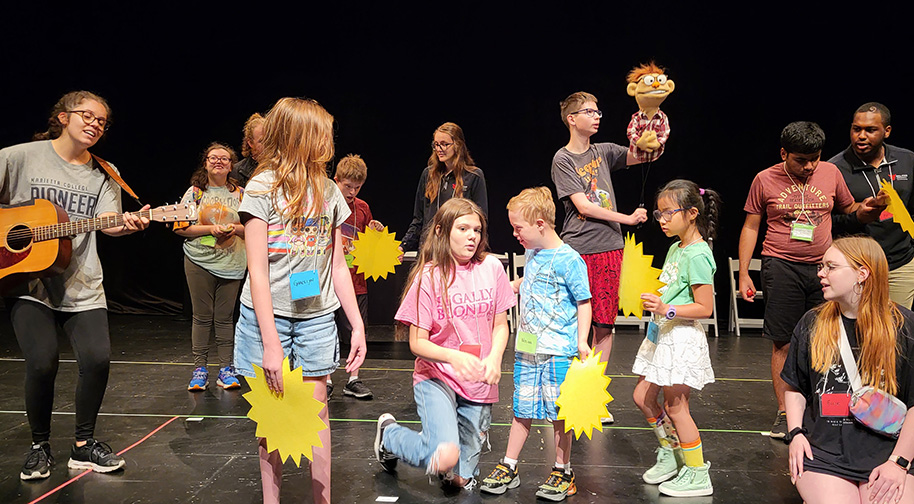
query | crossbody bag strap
[117, 178]
[850, 365]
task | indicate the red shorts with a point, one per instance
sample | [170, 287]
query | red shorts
[603, 272]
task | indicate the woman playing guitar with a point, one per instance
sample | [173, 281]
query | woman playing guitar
[58, 167]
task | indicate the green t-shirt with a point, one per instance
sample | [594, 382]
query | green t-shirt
[683, 268]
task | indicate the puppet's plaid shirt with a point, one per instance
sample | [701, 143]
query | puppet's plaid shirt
[638, 125]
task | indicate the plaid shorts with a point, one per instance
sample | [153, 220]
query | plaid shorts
[603, 273]
[537, 379]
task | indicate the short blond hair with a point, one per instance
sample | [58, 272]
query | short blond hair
[534, 203]
[352, 167]
[573, 104]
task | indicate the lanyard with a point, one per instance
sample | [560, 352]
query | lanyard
[475, 315]
[802, 195]
[876, 174]
[525, 325]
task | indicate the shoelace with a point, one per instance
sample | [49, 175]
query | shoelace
[554, 479]
[35, 457]
[499, 473]
[200, 374]
[100, 450]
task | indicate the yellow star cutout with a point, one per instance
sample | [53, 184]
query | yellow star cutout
[583, 397]
[637, 277]
[289, 422]
[375, 253]
[896, 207]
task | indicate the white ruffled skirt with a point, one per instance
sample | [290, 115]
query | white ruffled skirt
[680, 356]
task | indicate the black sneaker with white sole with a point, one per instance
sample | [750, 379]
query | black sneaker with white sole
[38, 462]
[95, 455]
[357, 389]
[387, 460]
[779, 428]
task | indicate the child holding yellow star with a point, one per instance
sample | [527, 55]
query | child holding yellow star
[555, 322]
[674, 354]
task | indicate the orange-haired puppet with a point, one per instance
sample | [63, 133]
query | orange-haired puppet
[649, 128]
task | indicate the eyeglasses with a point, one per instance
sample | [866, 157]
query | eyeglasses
[589, 112]
[829, 267]
[213, 159]
[89, 117]
[441, 145]
[666, 215]
[649, 79]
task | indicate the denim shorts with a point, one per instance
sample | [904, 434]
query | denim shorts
[537, 379]
[309, 343]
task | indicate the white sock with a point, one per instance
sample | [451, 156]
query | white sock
[352, 379]
[564, 467]
[510, 462]
[329, 381]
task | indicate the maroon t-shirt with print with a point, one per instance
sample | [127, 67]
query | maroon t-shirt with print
[782, 198]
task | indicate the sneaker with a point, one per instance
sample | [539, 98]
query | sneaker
[779, 429]
[558, 486]
[95, 455]
[691, 482]
[500, 480]
[665, 468]
[227, 378]
[329, 389]
[608, 419]
[198, 380]
[357, 389]
[387, 460]
[38, 462]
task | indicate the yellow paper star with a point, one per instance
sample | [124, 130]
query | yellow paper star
[289, 422]
[896, 207]
[375, 253]
[637, 277]
[583, 397]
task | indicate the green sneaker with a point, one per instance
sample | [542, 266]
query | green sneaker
[558, 486]
[500, 480]
[665, 468]
[691, 482]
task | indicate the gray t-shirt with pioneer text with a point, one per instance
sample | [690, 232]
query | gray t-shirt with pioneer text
[35, 171]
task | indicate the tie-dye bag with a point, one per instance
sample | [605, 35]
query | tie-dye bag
[877, 409]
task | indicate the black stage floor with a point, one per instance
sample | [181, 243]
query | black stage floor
[200, 447]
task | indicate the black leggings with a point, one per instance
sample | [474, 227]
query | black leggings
[35, 326]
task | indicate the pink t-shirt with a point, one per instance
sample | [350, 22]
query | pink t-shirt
[479, 292]
[781, 199]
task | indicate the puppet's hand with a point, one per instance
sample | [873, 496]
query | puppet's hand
[648, 141]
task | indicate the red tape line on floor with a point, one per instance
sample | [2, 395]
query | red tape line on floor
[87, 471]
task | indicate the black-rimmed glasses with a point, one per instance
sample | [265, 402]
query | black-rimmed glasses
[89, 117]
[589, 112]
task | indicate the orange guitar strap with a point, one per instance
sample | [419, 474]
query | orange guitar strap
[117, 178]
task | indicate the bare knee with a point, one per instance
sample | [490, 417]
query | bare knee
[444, 459]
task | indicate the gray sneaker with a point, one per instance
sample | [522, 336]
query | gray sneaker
[357, 389]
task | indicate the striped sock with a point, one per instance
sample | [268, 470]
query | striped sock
[692, 453]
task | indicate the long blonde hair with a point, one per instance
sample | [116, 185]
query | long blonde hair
[437, 169]
[878, 319]
[297, 145]
[435, 255]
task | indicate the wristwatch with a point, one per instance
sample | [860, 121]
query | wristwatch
[793, 432]
[901, 461]
[671, 313]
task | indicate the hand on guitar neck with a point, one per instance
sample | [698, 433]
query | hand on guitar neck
[133, 222]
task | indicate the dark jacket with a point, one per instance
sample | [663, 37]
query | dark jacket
[474, 188]
[243, 170]
[863, 181]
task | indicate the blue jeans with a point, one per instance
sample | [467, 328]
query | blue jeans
[446, 418]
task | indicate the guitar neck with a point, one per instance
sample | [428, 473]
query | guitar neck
[64, 229]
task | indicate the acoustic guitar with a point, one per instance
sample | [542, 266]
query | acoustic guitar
[35, 236]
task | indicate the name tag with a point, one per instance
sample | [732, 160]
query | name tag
[525, 342]
[304, 284]
[652, 331]
[802, 232]
[349, 259]
[471, 349]
[835, 405]
[208, 240]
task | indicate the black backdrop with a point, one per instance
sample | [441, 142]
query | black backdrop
[180, 76]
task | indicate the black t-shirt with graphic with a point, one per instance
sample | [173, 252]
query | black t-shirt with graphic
[841, 446]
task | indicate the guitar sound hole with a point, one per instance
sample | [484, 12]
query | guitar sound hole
[19, 238]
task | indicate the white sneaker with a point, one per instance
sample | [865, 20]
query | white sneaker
[608, 419]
